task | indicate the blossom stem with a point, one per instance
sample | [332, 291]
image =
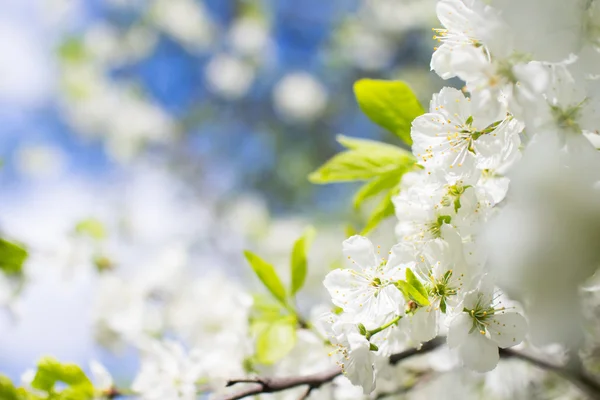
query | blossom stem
[383, 327]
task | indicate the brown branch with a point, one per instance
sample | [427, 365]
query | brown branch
[306, 393]
[586, 384]
[314, 381]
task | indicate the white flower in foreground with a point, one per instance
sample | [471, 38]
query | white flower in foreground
[367, 290]
[544, 244]
[442, 268]
[461, 25]
[569, 104]
[354, 352]
[456, 135]
[168, 373]
[422, 209]
[481, 327]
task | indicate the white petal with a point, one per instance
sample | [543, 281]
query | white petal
[402, 253]
[479, 353]
[508, 329]
[423, 324]
[101, 377]
[345, 287]
[359, 367]
[459, 330]
[360, 252]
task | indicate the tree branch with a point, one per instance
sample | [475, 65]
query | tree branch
[314, 381]
[584, 382]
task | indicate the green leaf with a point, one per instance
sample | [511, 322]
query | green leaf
[384, 209]
[12, 257]
[366, 159]
[416, 283]
[8, 391]
[50, 371]
[358, 165]
[350, 230]
[412, 293]
[299, 259]
[351, 143]
[91, 227]
[276, 340]
[267, 275]
[72, 50]
[376, 186]
[390, 104]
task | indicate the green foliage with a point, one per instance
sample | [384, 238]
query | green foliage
[12, 258]
[364, 160]
[299, 259]
[390, 104]
[416, 283]
[275, 339]
[267, 275]
[381, 164]
[50, 372]
[72, 50]
[274, 324]
[92, 228]
[8, 391]
[384, 209]
[413, 289]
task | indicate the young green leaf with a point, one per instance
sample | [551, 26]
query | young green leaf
[357, 165]
[416, 283]
[364, 160]
[8, 390]
[376, 186]
[390, 104]
[276, 340]
[412, 293]
[92, 228]
[367, 144]
[50, 372]
[384, 209]
[12, 257]
[267, 275]
[299, 259]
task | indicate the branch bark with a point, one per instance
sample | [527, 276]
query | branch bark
[586, 384]
[314, 381]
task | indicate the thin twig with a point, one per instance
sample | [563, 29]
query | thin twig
[584, 382]
[306, 393]
[314, 381]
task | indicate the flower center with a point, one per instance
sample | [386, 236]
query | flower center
[481, 315]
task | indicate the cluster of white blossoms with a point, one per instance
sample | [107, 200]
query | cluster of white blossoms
[467, 237]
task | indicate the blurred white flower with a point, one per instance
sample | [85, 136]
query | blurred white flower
[40, 160]
[185, 20]
[300, 96]
[249, 36]
[167, 372]
[543, 244]
[229, 76]
[198, 318]
[101, 378]
[369, 50]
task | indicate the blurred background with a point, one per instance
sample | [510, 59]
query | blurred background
[145, 135]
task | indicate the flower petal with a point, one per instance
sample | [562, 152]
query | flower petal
[507, 329]
[479, 353]
[424, 324]
[360, 252]
[459, 330]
